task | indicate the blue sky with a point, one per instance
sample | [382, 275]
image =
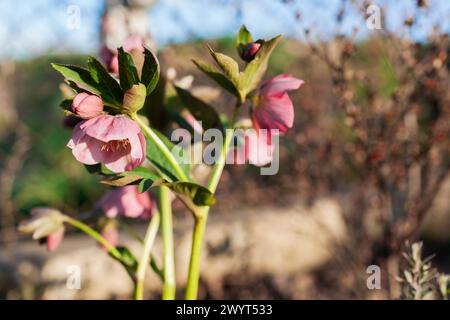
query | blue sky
[29, 28]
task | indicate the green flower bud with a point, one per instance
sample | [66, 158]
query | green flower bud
[134, 98]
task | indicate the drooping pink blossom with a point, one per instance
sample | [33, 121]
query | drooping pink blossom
[116, 141]
[87, 106]
[273, 108]
[127, 201]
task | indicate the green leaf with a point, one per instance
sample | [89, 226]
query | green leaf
[195, 193]
[78, 75]
[159, 160]
[66, 104]
[217, 76]
[134, 176]
[254, 71]
[121, 181]
[128, 74]
[228, 65]
[155, 108]
[99, 168]
[150, 71]
[199, 109]
[111, 92]
[244, 36]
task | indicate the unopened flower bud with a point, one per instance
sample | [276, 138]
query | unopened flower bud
[134, 98]
[87, 105]
[250, 50]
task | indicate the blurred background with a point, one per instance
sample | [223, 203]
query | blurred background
[363, 171]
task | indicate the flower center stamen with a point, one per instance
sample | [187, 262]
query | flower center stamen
[116, 145]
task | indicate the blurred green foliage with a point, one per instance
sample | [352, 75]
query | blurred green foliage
[50, 176]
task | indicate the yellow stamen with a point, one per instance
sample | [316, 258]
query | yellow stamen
[116, 145]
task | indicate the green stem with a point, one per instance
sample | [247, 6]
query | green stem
[168, 249]
[194, 263]
[95, 235]
[200, 220]
[153, 264]
[149, 240]
[169, 156]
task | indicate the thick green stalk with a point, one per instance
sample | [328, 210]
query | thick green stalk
[167, 237]
[200, 221]
[194, 263]
[149, 240]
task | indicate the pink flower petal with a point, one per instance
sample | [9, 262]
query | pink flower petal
[279, 84]
[128, 202]
[274, 112]
[258, 147]
[108, 127]
[87, 150]
[54, 240]
[133, 42]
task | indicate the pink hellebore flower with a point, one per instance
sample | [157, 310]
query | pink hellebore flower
[116, 141]
[133, 42]
[127, 201]
[87, 106]
[273, 108]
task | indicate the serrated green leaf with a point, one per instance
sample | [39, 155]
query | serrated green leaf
[150, 71]
[128, 74]
[111, 92]
[228, 65]
[217, 76]
[79, 76]
[199, 109]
